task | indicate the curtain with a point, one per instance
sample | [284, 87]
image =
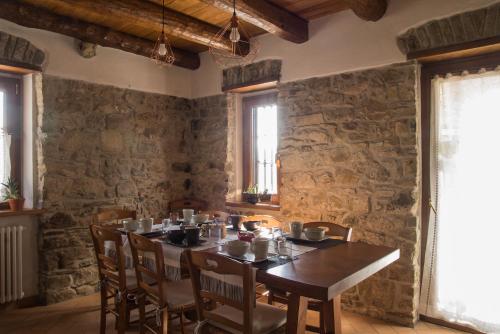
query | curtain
[461, 274]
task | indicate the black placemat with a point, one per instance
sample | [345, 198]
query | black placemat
[320, 245]
[277, 261]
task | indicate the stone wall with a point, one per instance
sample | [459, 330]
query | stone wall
[16, 51]
[348, 147]
[102, 146]
[464, 27]
[209, 147]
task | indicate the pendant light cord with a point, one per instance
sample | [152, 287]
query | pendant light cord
[234, 7]
[163, 18]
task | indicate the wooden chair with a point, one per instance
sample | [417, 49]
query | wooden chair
[325, 309]
[218, 312]
[112, 216]
[167, 297]
[115, 281]
[187, 203]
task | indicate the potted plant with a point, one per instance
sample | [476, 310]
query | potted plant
[251, 195]
[265, 196]
[12, 195]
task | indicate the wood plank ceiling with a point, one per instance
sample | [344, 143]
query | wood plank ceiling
[190, 24]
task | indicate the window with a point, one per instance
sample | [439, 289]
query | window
[260, 144]
[10, 129]
[460, 183]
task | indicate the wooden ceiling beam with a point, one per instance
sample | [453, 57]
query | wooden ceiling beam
[147, 15]
[368, 10]
[269, 17]
[34, 17]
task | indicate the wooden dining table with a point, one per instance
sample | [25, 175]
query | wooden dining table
[324, 274]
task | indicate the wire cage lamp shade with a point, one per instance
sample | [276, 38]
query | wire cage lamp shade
[240, 52]
[162, 52]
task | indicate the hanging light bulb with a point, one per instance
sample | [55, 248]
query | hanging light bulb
[234, 36]
[162, 51]
[231, 45]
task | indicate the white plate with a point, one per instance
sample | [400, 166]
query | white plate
[249, 257]
[303, 238]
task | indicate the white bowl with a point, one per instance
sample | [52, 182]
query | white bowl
[314, 233]
[200, 218]
[237, 248]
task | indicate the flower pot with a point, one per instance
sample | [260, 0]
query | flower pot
[251, 198]
[265, 197]
[16, 204]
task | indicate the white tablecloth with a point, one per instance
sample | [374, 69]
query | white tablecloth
[227, 285]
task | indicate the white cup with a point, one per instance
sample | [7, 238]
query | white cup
[296, 229]
[187, 214]
[146, 224]
[260, 247]
[130, 225]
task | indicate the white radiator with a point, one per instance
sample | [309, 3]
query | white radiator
[11, 263]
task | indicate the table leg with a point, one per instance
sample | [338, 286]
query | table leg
[332, 316]
[296, 314]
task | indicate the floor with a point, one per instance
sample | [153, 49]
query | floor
[81, 316]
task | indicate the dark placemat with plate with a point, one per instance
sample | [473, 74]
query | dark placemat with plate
[152, 234]
[183, 245]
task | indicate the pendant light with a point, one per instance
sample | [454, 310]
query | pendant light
[239, 51]
[162, 51]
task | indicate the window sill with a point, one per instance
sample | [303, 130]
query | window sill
[25, 212]
[258, 206]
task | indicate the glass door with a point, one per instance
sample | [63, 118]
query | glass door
[461, 273]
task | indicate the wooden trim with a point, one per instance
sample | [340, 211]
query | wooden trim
[18, 67]
[467, 49]
[249, 85]
[25, 212]
[448, 324]
[255, 88]
[257, 206]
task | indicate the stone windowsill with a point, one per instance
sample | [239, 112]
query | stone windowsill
[25, 212]
[258, 206]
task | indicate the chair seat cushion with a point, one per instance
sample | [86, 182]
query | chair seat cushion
[178, 293]
[266, 318]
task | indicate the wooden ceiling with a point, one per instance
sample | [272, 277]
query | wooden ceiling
[132, 25]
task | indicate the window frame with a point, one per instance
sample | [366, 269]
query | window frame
[12, 86]
[249, 103]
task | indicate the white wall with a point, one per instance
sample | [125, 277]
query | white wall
[109, 67]
[340, 42]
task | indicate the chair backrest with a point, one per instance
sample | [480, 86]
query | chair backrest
[149, 276]
[187, 203]
[199, 261]
[267, 221]
[108, 216]
[111, 267]
[333, 229]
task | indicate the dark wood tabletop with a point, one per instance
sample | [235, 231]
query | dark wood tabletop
[324, 273]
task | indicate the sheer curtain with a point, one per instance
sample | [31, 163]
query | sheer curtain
[461, 275]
